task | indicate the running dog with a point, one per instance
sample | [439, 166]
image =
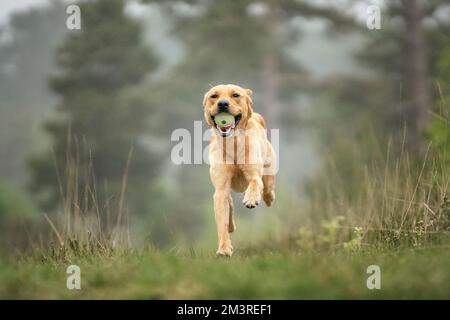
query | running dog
[241, 157]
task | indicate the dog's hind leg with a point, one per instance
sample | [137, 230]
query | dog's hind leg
[232, 222]
[269, 189]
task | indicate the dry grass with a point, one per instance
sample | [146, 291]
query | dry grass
[393, 199]
[86, 226]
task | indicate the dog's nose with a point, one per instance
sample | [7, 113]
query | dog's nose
[223, 105]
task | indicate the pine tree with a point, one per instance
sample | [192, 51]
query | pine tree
[95, 124]
[404, 51]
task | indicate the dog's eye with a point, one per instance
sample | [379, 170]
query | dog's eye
[236, 95]
[214, 96]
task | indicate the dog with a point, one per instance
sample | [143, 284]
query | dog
[240, 155]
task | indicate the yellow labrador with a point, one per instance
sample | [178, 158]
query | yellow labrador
[241, 157]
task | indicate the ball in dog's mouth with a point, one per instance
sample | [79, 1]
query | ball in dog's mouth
[225, 123]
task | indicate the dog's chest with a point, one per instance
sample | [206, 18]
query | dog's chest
[237, 150]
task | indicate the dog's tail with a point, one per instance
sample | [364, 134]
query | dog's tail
[259, 118]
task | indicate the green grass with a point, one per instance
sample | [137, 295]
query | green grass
[405, 274]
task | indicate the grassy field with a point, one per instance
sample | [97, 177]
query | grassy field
[405, 274]
[393, 213]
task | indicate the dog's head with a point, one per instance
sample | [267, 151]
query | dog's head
[231, 99]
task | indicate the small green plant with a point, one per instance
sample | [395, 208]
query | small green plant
[330, 231]
[328, 237]
[305, 241]
[354, 245]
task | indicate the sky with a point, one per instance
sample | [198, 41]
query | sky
[8, 6]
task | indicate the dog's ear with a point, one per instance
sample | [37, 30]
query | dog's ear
[249, 112]
[249, 93]
[208, 119]
[205, 98]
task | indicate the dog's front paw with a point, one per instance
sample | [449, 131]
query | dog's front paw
[225, 251]
[251, 199]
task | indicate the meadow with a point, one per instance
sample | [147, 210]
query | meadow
[149, 274]
[398, 220]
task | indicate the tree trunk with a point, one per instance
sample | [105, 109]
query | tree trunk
[417, 99]
[270, 71]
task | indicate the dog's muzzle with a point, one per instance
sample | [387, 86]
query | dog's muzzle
[226, 131]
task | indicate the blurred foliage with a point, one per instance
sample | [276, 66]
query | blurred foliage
[112, 98]
[367, 112]
[395, 52]
[17, 218]
[14, 203]
[219, 50]
[439, 131]
[96, 65]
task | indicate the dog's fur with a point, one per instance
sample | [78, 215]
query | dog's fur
[245, 176]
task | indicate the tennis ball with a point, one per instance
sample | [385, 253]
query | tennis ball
[224, 119]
